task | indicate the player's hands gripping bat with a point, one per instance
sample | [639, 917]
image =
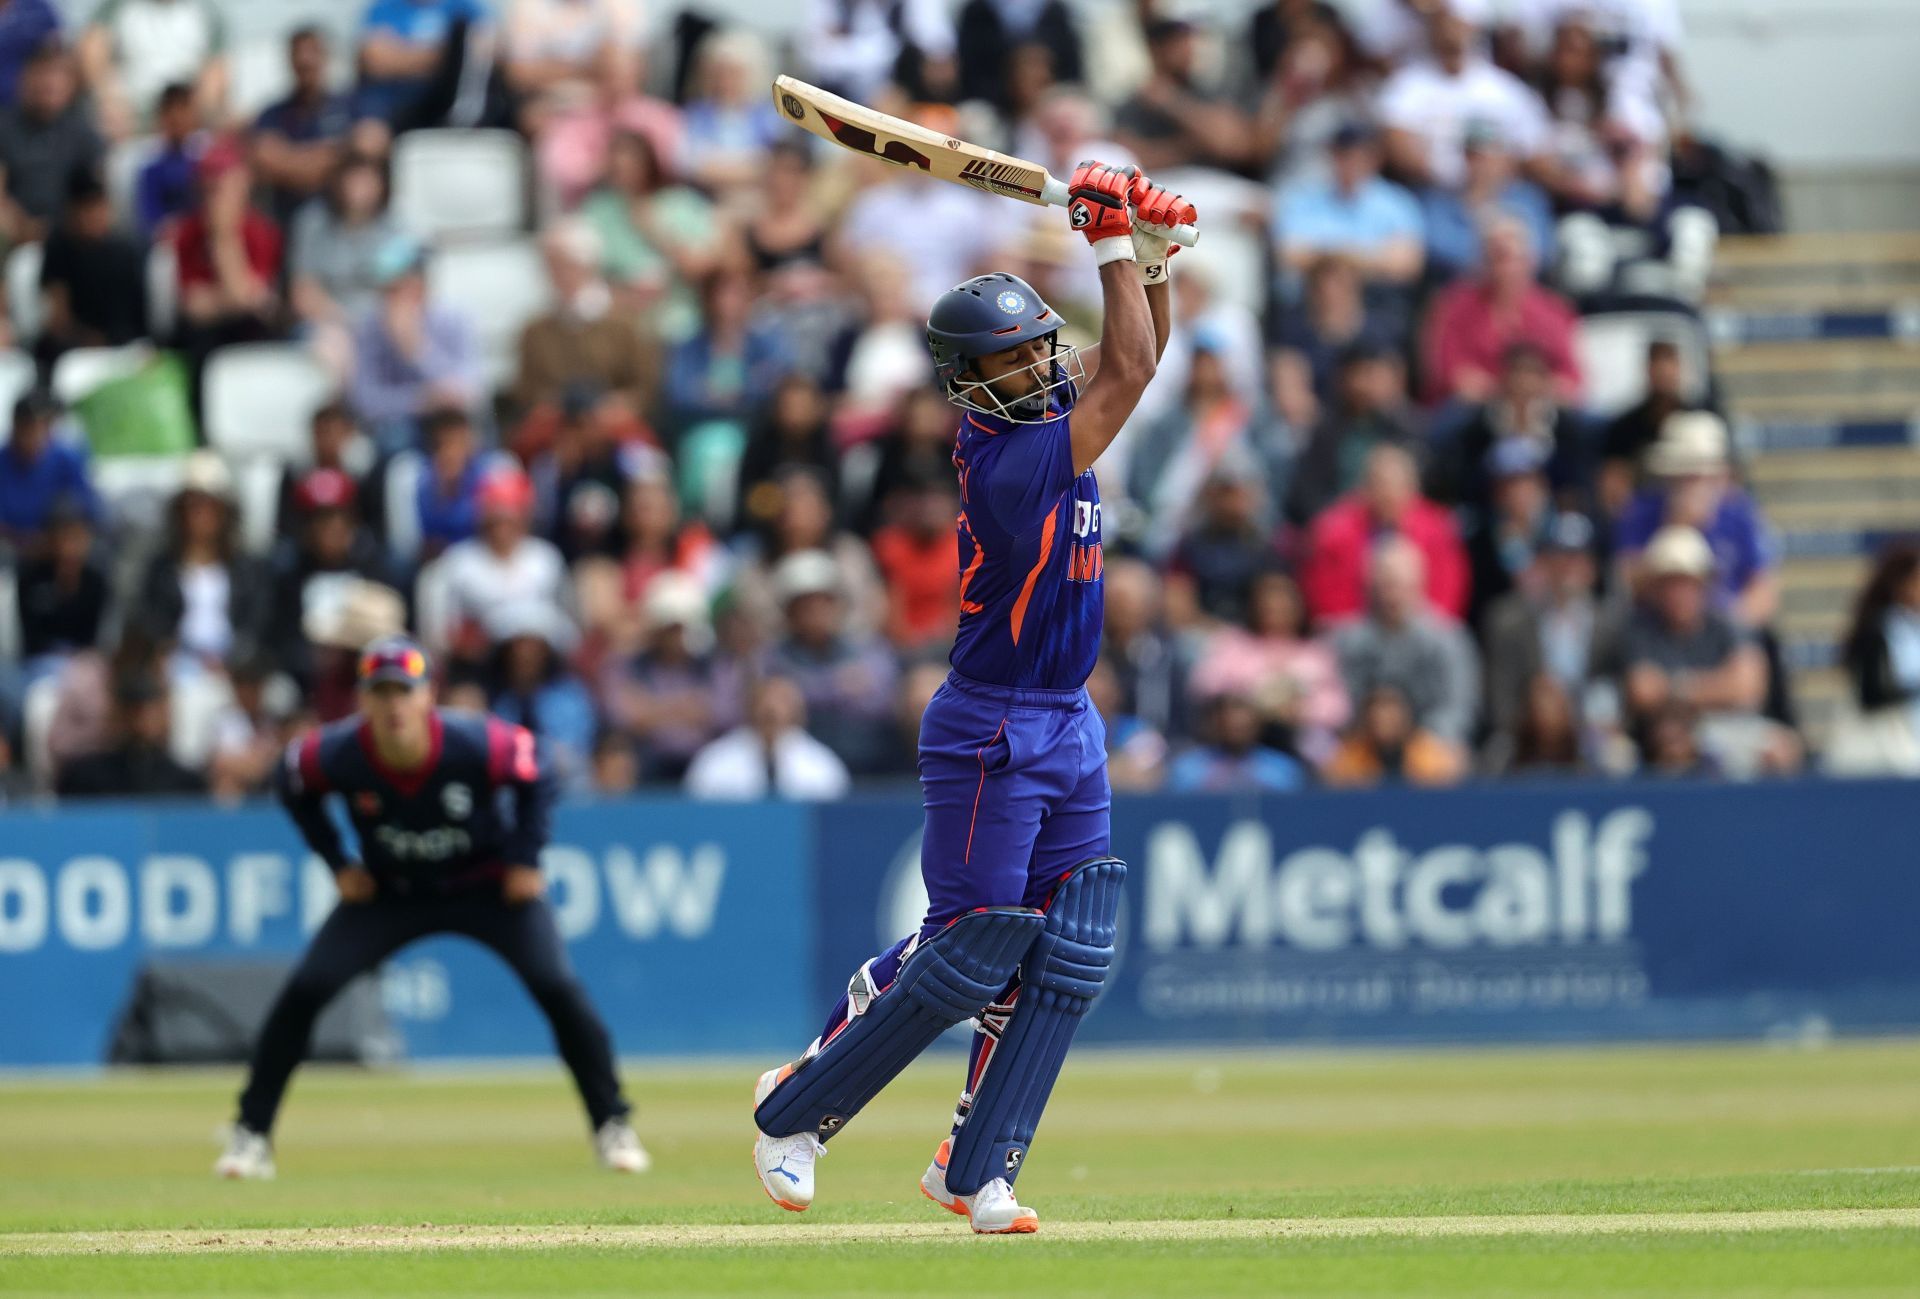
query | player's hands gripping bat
[1097, 206]
[1156, 211]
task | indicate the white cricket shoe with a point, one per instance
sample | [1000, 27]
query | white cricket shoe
[248, 1155]
[991, 1210]
[784, 1164]
[619, 1148]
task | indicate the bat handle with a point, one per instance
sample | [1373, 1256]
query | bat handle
[1055, 192]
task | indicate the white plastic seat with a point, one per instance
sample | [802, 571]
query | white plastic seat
[1613, 355]
[79, 372]
[163, 290]
[23, 291]
[499, 287]
[260, 398]
[460, 183]
[17, 374]
[259, 76]
[121, 175]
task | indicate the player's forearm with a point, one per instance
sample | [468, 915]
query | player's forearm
[1160, 307]
[1128, 331]
[309, 815]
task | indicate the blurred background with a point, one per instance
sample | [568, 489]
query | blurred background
[1538, 420]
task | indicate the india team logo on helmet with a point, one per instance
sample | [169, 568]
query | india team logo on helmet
[995, 313]
[1011, 302]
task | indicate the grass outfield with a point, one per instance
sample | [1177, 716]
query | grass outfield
[1702, 1170]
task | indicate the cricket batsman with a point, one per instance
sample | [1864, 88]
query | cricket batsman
[450, 811]
[1016, 850]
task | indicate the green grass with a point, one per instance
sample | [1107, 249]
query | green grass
[1130, 1138]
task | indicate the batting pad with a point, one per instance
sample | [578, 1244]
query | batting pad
[947, 980]
[1059, 979]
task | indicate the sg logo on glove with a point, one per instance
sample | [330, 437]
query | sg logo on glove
[1080, 216]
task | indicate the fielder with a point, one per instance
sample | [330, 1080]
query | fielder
[450, 810]
[1016, 853]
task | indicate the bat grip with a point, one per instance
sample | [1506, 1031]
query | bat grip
[1055, 192]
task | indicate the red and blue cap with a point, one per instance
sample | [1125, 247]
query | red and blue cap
[396, 659]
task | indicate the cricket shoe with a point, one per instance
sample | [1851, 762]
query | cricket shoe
[619, 1148]
[248, 1156]
[991, 1210]
[784, 1164]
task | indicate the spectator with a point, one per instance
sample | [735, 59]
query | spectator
[804, 521]
[675, 694]
[989, 33]
[250, 735]
[616, 766]
[132, 50]
[1546, 740]
[1521, 409]
[1316, 82]
[418, 67]
[581, 480]
[937, 233]
[856, 47]
[729, 124]
[781, 230]
[1149, 669]
[168, 184]
[1291, 676]
[1694, 487]
[657, 542]
[1607, 140]
[1370, 410]
[411, 354]
[914, 554]
[1215, 559]
[46, 140]
[26, 26]
[1404, 643]
[1388, 745]
[38, 468]
[334, 442]
[335, 262]
[136, 763]
[791, 434]
[563, 55]
[331, 547]
[771, 755]
[728, 367]
[1682, 650]
[582, 339]
[1351, 210]
[1472, 323]
[1881, 655]
[1627, 439]
[202, 596]
[63, 595]
[1182, 449]
[846, 678]
[338, 629]
[1343, 540]
[1332, 318]
[1428, 105]
[1233, 760]
[1136, 752]
[93, 278]
[1492, 186]
[499, 570]
[1172, 120]
[229, 261]
[658, 239]
[444, 510]
[1555, 623]
[1671, 745]
[299, 141]
[533, 686]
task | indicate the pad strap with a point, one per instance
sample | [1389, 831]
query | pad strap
[1059, 979]
[947, 980]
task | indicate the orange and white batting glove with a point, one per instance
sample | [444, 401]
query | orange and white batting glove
[1156, 210]
[1097, 208]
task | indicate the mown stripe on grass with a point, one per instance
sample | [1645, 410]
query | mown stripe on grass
[428, 1236]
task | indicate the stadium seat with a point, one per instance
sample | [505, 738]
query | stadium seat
[260, 397]
[1613, 355]
[17, 374]
[499, 287]
[259, 75]
[23, 291]
[163, 290]
[401, 491]
[80, 371]
[458, 184]
[433, 607]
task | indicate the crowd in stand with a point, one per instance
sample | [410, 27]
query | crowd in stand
[1361, 530]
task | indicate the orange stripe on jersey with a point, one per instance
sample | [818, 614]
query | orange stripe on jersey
[966, 578]
[1033, 574]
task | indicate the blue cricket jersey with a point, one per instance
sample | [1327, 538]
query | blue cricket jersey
[1030, 561]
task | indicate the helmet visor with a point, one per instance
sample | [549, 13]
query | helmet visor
[1029, 394]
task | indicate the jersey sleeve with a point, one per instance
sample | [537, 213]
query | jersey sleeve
[518, 761]
[302, 786]
[1023, 475]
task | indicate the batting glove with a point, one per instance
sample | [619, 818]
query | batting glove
[1097, 207]
[1155, 211]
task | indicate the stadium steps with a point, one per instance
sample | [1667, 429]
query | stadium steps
[1817, 355]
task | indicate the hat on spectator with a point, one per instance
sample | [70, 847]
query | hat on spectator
[1679, 551]
[400, 256]
[675, 600]
[1352, 132]
[806, 572]
[207, 474]
[1568, 533]
[1690, 442]
[1516, 457]
[351, 613]
[506, 490]
[324, 489]
[538, 619]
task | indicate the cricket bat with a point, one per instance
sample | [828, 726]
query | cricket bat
[878, 135]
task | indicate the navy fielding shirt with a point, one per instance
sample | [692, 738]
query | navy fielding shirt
[481, 802]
